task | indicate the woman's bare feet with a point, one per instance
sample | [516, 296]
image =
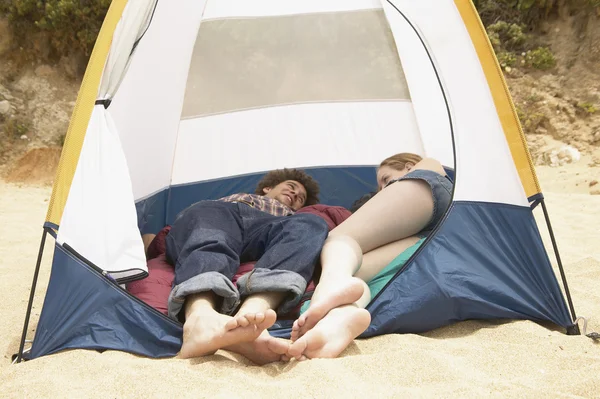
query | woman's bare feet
[342, 293]
[332, 334]
[205, 331]
[264, 349]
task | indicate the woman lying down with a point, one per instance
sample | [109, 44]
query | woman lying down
[413, 195]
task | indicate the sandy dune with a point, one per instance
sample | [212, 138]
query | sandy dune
[469, 359]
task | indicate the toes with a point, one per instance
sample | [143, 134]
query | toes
[231, 324]
[278, 346]
[295, 326]
[301, 320]
[251, 318]
[270, 317]
[243, 321]
[297, 349]
[259, 318]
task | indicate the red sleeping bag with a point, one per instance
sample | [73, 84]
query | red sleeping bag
[155, 289]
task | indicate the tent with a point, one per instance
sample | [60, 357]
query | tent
[197, 99]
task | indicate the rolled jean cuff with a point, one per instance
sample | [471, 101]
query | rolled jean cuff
[209, 281]
[265, 280]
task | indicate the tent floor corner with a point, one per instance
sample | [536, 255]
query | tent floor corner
[85, 310]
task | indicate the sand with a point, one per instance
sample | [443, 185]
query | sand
[469, 359]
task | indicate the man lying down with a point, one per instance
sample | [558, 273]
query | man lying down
[208, 241]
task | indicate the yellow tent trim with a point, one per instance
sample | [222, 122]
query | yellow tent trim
[502, 99]
[82, 112]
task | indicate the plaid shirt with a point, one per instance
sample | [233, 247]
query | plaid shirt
[262, 203]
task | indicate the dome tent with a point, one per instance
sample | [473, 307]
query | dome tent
[191, 100]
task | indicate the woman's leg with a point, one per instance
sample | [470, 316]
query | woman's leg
[372, 263]
[393, 217]
[388, 222]
[376, 260]
[399, 211]
[355, 291]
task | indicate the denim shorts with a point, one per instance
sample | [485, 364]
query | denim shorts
[441, 190]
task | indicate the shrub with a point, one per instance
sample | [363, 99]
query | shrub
[506, 36]
[506, 59]
[540, 58]
[532, 12]
[522, 12]
[70, 26]
[533, 120]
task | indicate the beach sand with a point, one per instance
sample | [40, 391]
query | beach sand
[469, 359]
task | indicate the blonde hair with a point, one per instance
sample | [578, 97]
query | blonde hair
[399, 161]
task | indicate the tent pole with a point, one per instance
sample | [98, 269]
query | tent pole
[32, 294]
[574, 330]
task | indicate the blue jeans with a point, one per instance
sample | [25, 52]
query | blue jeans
[441, 191]
[210, 239]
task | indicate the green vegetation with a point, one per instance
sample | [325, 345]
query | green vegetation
[508, 23]
[528, 13]
[506, 36]
[540, 58]
[532, 120]
[54, 28]
[507, 59]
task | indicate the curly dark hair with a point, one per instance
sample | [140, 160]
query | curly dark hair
[275, 177]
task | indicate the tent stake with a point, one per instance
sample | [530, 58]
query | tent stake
[31, 295]
[573, 330]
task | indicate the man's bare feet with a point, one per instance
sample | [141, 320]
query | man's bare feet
[332, 334]
[206, 331]
[264, 349]
[343, 293]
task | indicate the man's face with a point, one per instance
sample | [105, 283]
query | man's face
[289, 192]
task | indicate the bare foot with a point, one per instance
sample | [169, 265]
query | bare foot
[343, 293]
[264, 349]
[332, 334]
[206, 331]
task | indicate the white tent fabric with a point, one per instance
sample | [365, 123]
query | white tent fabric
[140, 104]
[99, 220]
[151, 103]
[264, 8]
[485, 168]
[101, 197]
[129, 30]
[306, 124]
